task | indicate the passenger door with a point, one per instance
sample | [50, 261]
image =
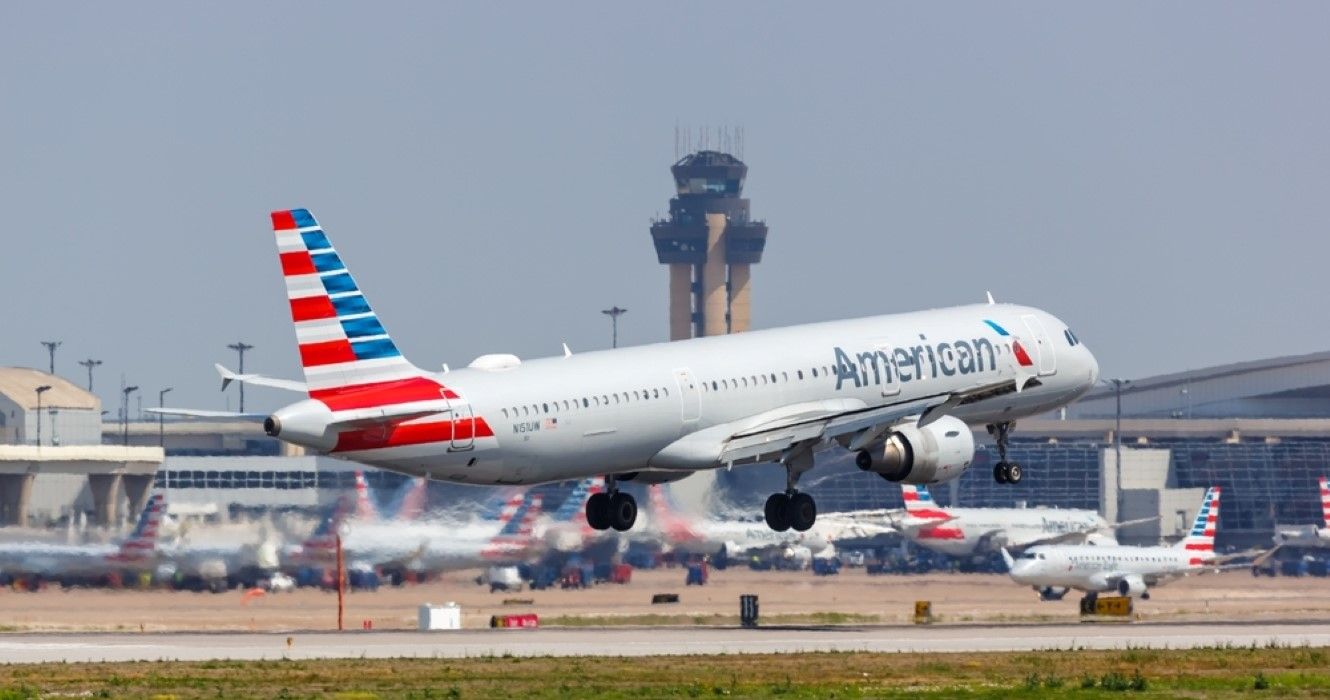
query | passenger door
[690, 402]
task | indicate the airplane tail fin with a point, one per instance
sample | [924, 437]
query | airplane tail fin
[365, 510]
[919, 503]
[142, 541]
[1202, 535]
[574, 505]
[409, 503]
[343, 345]
[1325, 501]
[324, 537]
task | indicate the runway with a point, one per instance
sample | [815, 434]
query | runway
[91, 647]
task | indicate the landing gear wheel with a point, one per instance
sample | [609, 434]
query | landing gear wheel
[1013, 473]
[1000, 472]
[802, 511]
[598, 511]
[622, 511]
[777, 512]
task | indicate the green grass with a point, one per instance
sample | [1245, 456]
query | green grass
[1203, 673]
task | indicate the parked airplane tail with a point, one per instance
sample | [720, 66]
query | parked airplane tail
[324, 537]
[573, 507]
[919, 503]
[365, 509]
[1325, 501]
[1202, 535]
[343, 345]
[666, 518]
[142, 541]
[516, 537]
[410, 500]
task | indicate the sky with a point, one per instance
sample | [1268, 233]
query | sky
[1155, 174]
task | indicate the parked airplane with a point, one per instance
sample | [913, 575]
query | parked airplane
[969, 532]
[75, 562]
[1310, 535]
[1125, 570]
[730, 538]
[900, 391]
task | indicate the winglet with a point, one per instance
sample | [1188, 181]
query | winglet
[566, 351]
[990, 298]
[227, 375]
[1006, 557]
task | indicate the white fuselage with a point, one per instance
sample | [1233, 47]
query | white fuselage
[615, 411]
[974, 531]
[1098, 568]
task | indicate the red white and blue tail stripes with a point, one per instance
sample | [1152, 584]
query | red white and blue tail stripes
[1202, 535]
[342, 342]
[919, 503]
[141, 544]
[1325, 501]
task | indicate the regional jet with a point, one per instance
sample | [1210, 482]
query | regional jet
[1125, 570]
[900, 391]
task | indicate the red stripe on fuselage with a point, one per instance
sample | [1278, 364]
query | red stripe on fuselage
[311, 308]
[1200, 547]
[283, 221]
[297, 263]
[345, 398]
[403, 434]
[941, 533]
[326, 353]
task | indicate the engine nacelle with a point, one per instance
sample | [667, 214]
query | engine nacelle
[940, 451]
[1133, 586]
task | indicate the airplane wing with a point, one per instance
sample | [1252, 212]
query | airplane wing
[259, 380]
[197, 413]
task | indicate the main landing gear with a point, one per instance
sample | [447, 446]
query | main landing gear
[1004, 472]
[792, 509]
[611, 508]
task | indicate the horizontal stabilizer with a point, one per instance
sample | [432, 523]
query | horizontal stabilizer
[196, 413]
[258, 380]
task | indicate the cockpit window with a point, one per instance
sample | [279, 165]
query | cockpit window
[1072, 340]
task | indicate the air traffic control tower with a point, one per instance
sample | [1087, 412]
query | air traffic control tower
[709, 243]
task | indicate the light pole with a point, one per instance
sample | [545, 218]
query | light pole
[90, 364]
[1117, 385]
[51, 345]
[161, 417]
[241, 347]
[40, 390]
[124, 422]
[614, 312]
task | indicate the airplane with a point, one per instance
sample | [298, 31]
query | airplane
[1125, 570]
[423, 546]
[1309, 535]
[970, 532]
[728, 538]
[81, 562]
[900, 391]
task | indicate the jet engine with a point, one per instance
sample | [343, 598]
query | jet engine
[1133, 586]
[940, 451]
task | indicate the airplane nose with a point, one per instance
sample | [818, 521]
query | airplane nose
[1094, 366]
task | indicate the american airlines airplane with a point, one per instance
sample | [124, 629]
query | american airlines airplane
[1309, 535]
[901, 391]
[968, 532]
[81, 562]
[1127, 571]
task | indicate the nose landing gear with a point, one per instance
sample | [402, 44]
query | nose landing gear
[1004, 472]
[611, 509]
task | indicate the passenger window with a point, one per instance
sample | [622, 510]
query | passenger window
[616, 399]
[713, 386]
[655, 393]
[773, 377]
[785, 377]
[667, 391]
[585, 403]
[546, 407]
[505, 413]
[800, 374]
[814, 372]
